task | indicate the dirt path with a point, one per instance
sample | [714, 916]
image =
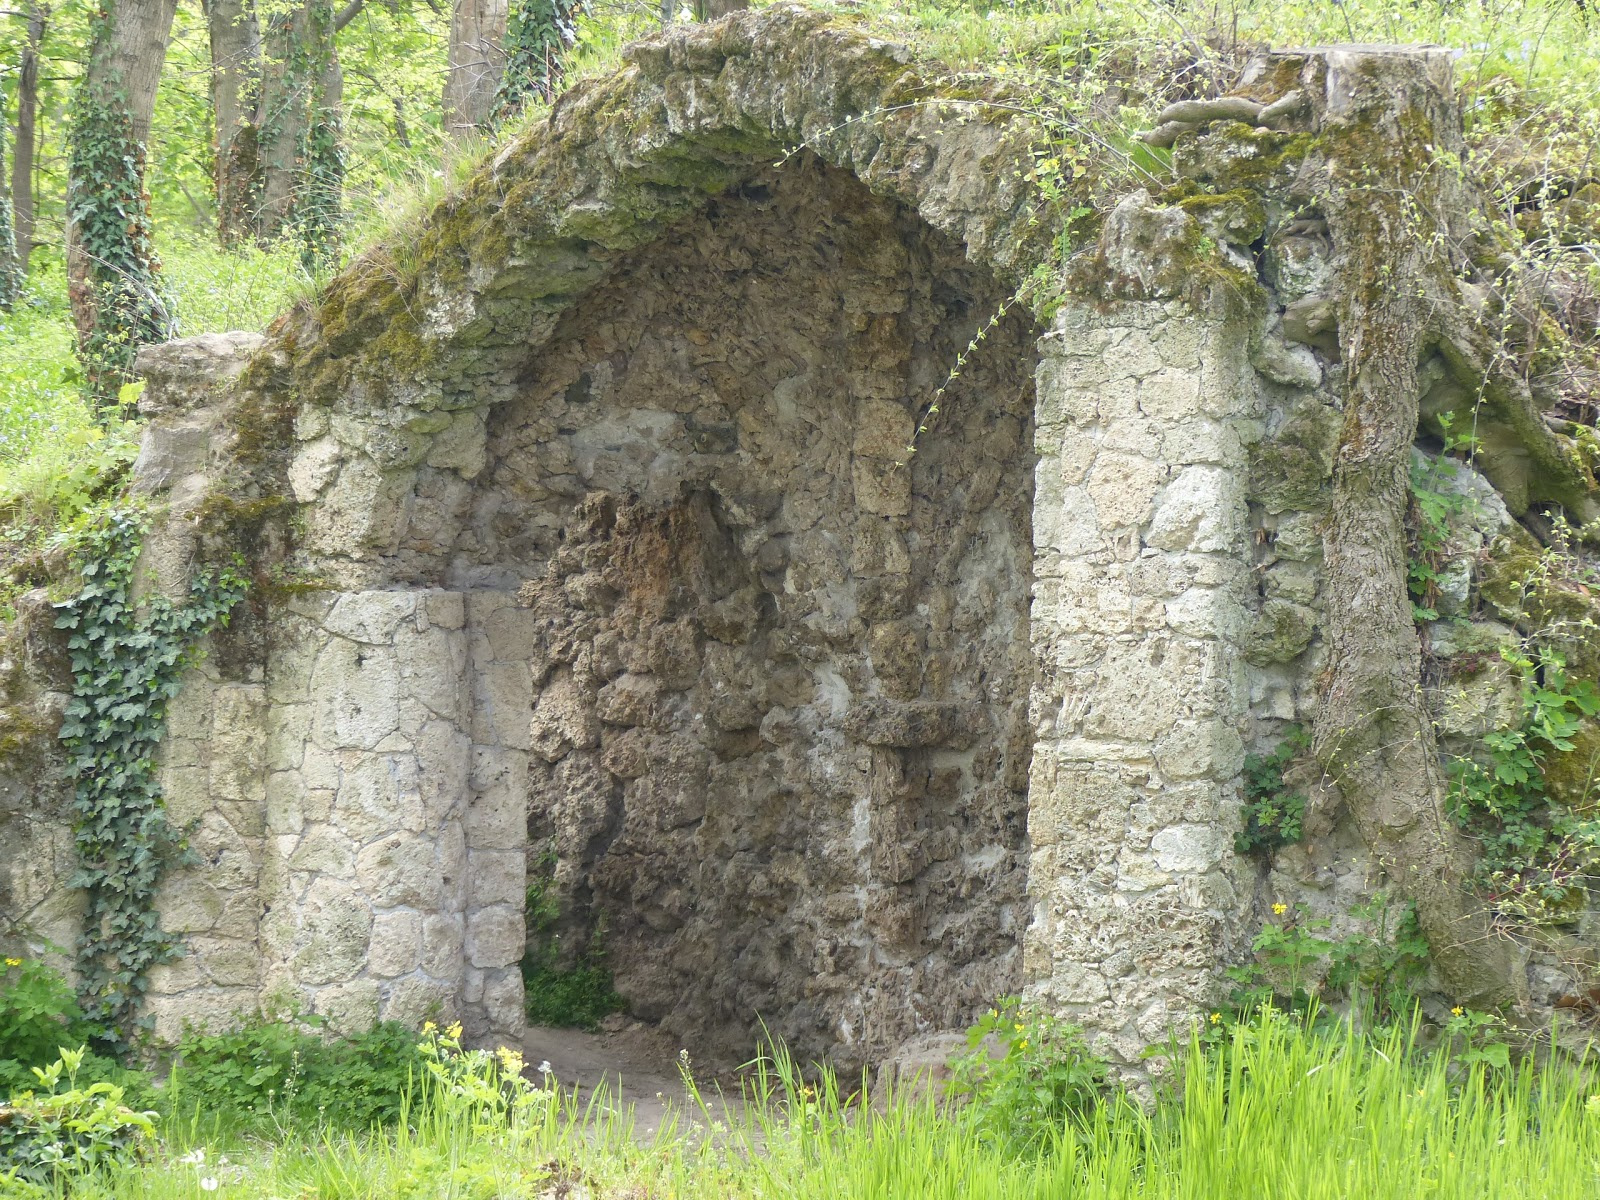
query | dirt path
[638, 1066]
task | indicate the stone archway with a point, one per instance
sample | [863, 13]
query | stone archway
[779, 740]
[597, 537]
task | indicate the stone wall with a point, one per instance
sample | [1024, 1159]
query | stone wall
[609, 573]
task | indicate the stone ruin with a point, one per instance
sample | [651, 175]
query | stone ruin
[589, 557]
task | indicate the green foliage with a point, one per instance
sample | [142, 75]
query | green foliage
[1298, 966]
[106, 203]
[1535, 860]
[280, 1073]
[38, 1015]
[538, 35]
[1042, 1087]
[1273, 811]
[127, 660]
[54, 1134]
[1272, 1106]
[579, 994]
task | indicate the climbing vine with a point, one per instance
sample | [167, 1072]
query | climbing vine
[537, 35]
[117, 296]
[127, 658]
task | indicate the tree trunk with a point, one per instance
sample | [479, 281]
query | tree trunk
[710, 10]
[27, 138]
[477, 62]
[538, 33]
[113, 273]
[10, 275]
[301, 168]
[235, 83]
[1374, 734]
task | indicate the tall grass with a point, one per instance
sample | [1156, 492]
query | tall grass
[1279, 1112]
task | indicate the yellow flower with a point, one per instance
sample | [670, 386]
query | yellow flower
[1457, 1011]
[1023, 1044]
[13, 962]
[1280, 909]
[428, 1027]
[1018, 1028]
[453, 1031]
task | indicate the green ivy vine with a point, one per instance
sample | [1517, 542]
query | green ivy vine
[128, 657]
[108, 207]
[537, 35]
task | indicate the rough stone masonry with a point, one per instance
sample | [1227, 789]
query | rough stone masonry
[598, 565]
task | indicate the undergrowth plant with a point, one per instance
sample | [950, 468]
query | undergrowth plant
[54, 1134]
[276, 1075]
[1029, 1077]
[578, 992]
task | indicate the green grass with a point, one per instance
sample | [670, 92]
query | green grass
[1277, 1112]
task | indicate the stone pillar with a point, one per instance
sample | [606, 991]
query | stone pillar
[214, 787]
[1141, 576]
[504, 653]
[364, 884]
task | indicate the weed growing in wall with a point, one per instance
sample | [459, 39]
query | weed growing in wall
[128, 657]
[1536, 858]
[1273, 811]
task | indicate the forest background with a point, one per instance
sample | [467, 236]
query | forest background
[285, 135]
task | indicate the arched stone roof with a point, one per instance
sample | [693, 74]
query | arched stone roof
[442, 324]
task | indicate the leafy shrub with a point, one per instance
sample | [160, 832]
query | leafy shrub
[45, 1135]
[1297, 966]
[1536, 859]
[278, 1072]
[1045, 1081]
[38, 1017]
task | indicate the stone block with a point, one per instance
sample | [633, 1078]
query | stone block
[349, 1008]
[396, 943]
[1201, 509]
[443, 944]
[400, 870]
[1123, 487]
[496, 937]
[1189, 847]
[496, 877]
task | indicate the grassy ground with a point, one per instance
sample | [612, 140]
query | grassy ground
[1270, 1113]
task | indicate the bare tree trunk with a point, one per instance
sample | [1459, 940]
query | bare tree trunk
[235, 84]
[27, 137]
[1374, 734]
[113, 273]
[477, 62]
[10, 274]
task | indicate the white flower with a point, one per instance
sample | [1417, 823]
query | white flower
[544, 1067]
[193, 1159]
[208, 1184]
